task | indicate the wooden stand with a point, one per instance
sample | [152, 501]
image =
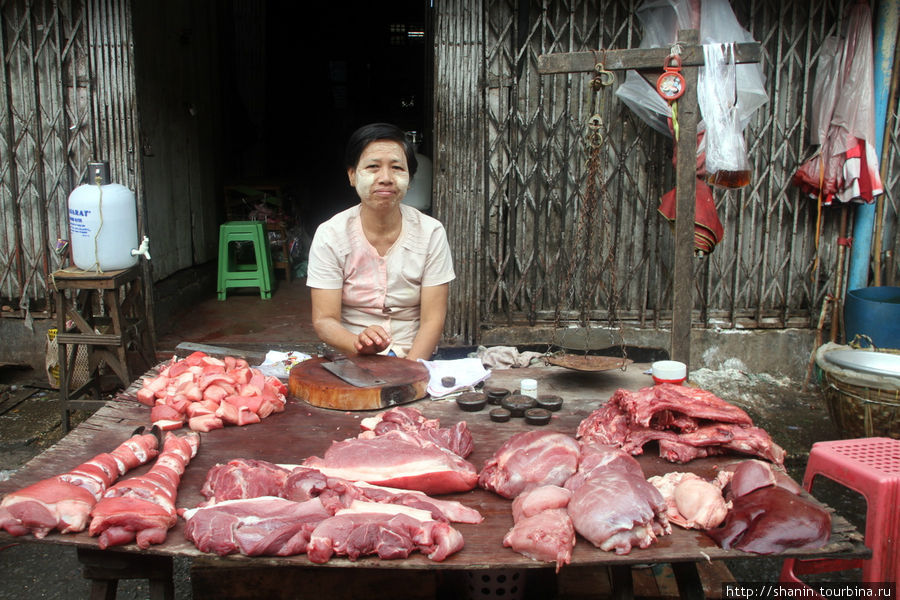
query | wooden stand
[686, 169]
[113, 300]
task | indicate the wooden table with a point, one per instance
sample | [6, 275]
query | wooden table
[303, 430]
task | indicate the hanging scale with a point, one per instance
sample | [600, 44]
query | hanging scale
[670, 84]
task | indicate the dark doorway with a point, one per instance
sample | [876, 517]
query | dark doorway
[329, 68]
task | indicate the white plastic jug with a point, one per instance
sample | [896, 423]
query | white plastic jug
[103, 226]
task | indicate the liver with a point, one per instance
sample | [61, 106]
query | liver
[303, 430]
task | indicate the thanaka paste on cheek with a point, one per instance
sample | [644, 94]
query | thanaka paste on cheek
[365, 180]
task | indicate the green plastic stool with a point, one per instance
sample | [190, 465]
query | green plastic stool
[233, 274]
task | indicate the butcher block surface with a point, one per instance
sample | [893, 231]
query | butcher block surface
[303, 430]
[405, 381]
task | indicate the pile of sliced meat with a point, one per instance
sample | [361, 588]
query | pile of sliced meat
[207, 393]
[258, 508]
[143, 507]
[64, 502]
[686, 422]
[560, 487]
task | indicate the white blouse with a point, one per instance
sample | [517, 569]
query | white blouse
[380, 290]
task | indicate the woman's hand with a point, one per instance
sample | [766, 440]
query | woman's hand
[372, 340]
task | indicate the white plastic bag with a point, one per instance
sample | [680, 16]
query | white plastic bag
[727, 164]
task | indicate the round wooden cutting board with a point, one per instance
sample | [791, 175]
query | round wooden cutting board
[404, 381]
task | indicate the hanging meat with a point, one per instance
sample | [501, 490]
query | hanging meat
[686, 422]
[143, 507]
[64, 502]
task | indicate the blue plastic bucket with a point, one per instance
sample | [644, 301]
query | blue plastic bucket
[873, 312]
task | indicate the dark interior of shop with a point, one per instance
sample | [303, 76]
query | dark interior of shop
[330, 70]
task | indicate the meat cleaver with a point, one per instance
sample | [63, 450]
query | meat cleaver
[351, 372]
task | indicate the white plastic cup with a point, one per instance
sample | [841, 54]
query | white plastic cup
[669, 371]
[528, 387]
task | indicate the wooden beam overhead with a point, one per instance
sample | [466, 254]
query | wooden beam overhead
[638, 58]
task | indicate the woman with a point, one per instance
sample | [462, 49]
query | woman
[379, 272]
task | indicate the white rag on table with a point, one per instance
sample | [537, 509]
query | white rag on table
[466, 372]
[506, 357]
[279, 364]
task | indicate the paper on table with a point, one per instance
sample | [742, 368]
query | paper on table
[466, 371]
[279, 364]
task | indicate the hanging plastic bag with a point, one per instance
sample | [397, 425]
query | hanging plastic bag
[718, 24]
[727, 164]
[661, 20]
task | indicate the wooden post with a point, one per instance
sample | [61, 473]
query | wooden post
[685, 200]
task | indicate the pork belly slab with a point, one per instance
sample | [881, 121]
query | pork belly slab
[397, 459]
[64, 502]
[143, 507]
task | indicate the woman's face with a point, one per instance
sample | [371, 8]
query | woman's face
[381, 176]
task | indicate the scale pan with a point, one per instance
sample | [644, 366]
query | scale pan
[581, 362]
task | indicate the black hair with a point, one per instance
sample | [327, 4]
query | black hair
[374, 132]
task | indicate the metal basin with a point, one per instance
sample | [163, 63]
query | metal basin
[877, 363]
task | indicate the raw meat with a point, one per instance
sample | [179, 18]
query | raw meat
[143, 507]
[247, 478]
[613, 506]
[750, 475]
[546, 536]
[770, 520]
[528, 460]
[389, 536]
[532, 502]
[693, 502]
[645, 405]
[543, 529]
[397, 459]
[686, 422]
[64, 502]
[257, 526]
[243, 478]
[206, 393]
[457, 439]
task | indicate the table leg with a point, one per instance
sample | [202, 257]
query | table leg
[690, 587]
[106, 567]
[621, 582]
[62, 359]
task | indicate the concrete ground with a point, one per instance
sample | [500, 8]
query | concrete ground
[30, 422]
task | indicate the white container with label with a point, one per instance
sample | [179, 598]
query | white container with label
[103, 226]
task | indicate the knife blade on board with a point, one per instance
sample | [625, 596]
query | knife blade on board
[351, 372]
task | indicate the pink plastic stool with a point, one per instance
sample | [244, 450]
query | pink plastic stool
[870, 466]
